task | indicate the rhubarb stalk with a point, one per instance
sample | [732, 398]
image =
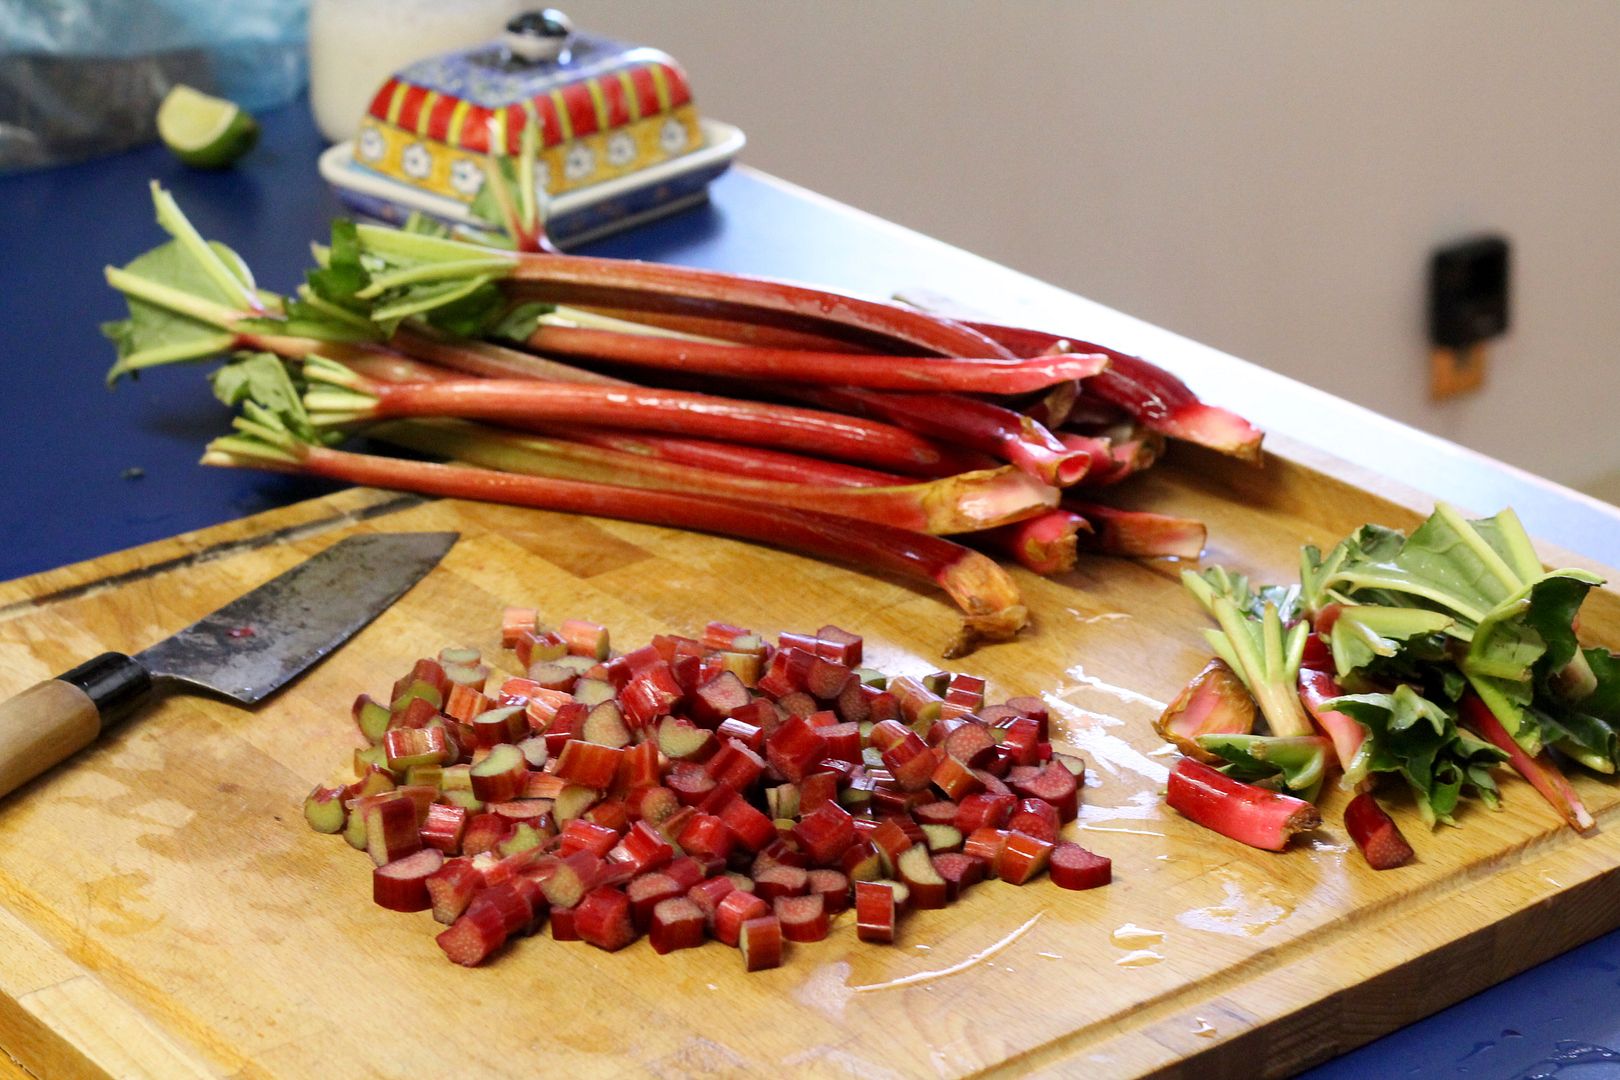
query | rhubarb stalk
[992, 609]
[1251, 815]
[1541, 771]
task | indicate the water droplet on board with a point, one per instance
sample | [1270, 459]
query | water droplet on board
[1132, 936]
[1205, 1029]
[1242, 913]
[1138, 958]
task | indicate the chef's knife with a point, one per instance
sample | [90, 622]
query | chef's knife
[244, 652]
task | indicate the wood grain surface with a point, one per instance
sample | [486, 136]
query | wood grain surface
[166, 912]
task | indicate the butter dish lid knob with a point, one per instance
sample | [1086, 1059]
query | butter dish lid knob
[537, 37]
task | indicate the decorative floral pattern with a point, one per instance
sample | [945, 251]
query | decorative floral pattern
[672, 136]
[621, 149]
[466, 177]
[580, 162]
[416, 161]
[372, 145]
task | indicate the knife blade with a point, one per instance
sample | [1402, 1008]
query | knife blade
[244, 652]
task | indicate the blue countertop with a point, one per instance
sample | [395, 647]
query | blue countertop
[90, 471]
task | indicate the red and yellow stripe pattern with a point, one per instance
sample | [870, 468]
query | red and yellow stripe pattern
[591, 130]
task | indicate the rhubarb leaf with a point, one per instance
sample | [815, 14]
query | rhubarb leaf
[1420, 740]
[177, 310]
[263, 379]
[1363, 633]
[1257, 647]
[1294, 764]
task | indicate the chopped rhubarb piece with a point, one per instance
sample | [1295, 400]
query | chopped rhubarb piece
[751, 829]
[444, 827]
[502, 725]
[642, 848]
[682, 740]
[649, 695]
[833, 888]
[500, 777]
[405, 747]
[473, 936]
[1037, 818]
[484, 832]
[760, 940]
[324, 809]
[861, 861]
[451, 888]
[1022, 738]
[803, 918]
[573, 877]
[564, 726]
[584, 638]
[781, 880]
[646, 892]
[911, 761]
[719, 698]
[582, 835]
[590, 765]
[1248, 814]
[603, 919]
[512, 902]
[402, 884]
[939, 812]
[795, 748]
[748, 734]
[736, 765]
[825, 833]
[817, 788]
[539, 647]
[706, 835]
[918, 704]
[562, 924]
[985, 844]
[735, 909]
[391, 829]
[960, 871]
[943, 837]
[604, 725]
[890, 838]
[708, 893]
[1054, 784]
[371, 717]
[1073, 867]
[677, 923]
[876, 912]
[1022, 858]
[916, 869]
[971, 744]
[955, 780]
[983, 811]
[653, 805]
[1376, 833]
[465, 702]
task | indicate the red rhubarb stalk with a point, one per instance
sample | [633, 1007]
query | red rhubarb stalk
[637, 408]
[992, 609]
[1543, 774]
[965, 502]
[1138, 533]
[1251, 815]
[985, 375]
[1147, 392]
[977, 425]
[1317, 687]
[1376, 833]
[1045, 543]
[751, 461]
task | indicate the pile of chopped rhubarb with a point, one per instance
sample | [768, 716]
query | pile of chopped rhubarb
[842, 427]
[692, 789]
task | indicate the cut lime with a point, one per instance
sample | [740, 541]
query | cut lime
[205, 131]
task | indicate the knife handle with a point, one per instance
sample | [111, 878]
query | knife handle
[55, 719]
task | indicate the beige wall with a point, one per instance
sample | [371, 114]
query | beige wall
[1267, 178]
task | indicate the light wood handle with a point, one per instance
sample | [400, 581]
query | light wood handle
[41, 726]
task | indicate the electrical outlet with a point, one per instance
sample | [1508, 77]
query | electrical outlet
[1468, 305]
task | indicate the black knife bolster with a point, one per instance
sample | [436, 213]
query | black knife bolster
[115, 682]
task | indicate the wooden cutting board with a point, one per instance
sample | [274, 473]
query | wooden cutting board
[165, 911]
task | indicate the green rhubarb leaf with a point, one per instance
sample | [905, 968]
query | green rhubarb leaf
[178, 311]
[1217, 581]
[1410, 735]
[262, 380]
[1318, 576]
[1364, 633]
[1261, 652]
[1583, 737]
[1294, 764]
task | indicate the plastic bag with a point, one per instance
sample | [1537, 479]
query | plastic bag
[84, 77]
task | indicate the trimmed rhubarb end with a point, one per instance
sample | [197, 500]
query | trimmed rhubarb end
[1214, 702]
[1245, 813]
[1542, 773]
[1376, 833]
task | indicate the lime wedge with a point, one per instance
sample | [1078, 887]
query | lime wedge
[205, 131]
